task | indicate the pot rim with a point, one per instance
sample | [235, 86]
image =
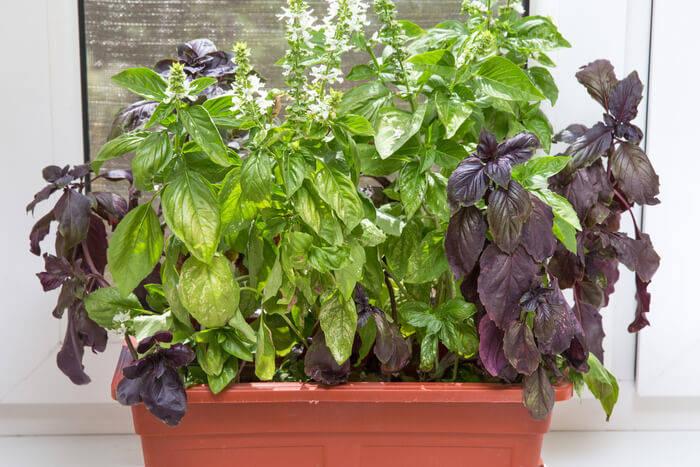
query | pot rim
[356, 392]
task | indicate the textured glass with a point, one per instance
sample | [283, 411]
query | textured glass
[126, 33]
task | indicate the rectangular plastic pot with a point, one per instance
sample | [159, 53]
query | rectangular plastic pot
[352, 425]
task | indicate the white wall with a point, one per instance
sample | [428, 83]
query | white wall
[41, 125]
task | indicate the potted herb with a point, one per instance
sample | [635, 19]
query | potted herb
[320, 273]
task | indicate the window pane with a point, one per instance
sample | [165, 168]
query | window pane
[125, 33]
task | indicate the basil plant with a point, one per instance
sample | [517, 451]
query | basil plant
[394, 222]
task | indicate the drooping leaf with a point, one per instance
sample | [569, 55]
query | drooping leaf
[218, 383]
[592, 324]
[264, 353]
[637, 254]
[338, 318]
[602, 384]
[390, 347]
[464, 240]
[508, 210]
[81, 332]
[72, 211]
[636, 176]
[192, 213]
[320, 365]
[643, 302]
[520, 348]
[209, 291]
[135, 248]
[491, 347]
[538, 394]
[503, 279]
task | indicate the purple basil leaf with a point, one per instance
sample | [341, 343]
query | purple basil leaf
[585, 188]
[488, 145]
[39, 231]
[538, 394]
[577, 355]
[464, 241]
[630, 132]
[499, 170]
[66, 299]
[599, 79]
[643, 302]
[468, 182]
[469, 286]
[518, 149]
[590, 146]
[390, 348]
[57, 271]
[117, 175]
[625, 98]
[634, 173]
[507, 211]
[570, 134]
[503, 279]
[41, 195]
[96, 243]
[566, 266]
[110, 206]
[637, 254]
[520, 348]
[81, 332]
[320, 365]
[177, 355]
[164, 396]
[555, 323]
[79, 171]
[491, 347]
[139, 368]
[148, 342]
[129, 391]
[194, 49]
[72, 212]
[592, 324]
[591, 293]
[537, 237]
[604, 272]
[52, 173]
[132, 117]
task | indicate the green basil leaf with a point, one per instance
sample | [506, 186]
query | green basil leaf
[211, 357]
[371, 235]
[356, 124]
[147, 325]
[338, 190]
[412, 187]
[536, 122]
[499, 77]
[218, 383]
[535, 172]
[171, 277]
[143, 82]
[398, 251]
[293, 172]
[428, 352]
[233, 345]
[338, 319]
[200, 84]
[368, 334]
[348, 276]
[201, 128]
[192, 212]
[117, 147]
[109, 308]
[436, 197]
[135, 248]
[452, 112]
[151, 155]
[395, 127]
[560, 206]
[365, 100]
[209, 291]
[428, 261]
[565, 233]
[256, 177]
[602, 384]
[264, 353]
[545, 82]
[274, 281]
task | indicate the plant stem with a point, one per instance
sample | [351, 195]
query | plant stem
[392, 297]
[91, 265]
[130, 345]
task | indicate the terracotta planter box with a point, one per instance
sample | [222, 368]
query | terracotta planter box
[353, 425]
